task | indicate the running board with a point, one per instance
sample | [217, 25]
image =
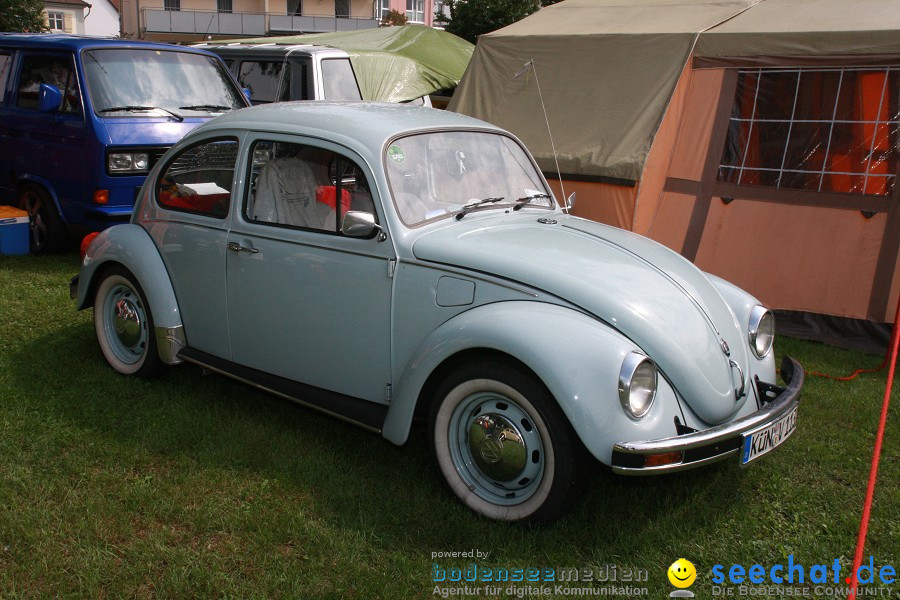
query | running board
[368, 415]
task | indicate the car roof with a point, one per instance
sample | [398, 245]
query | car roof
[369, 123]
[277, 49]
[61, 41]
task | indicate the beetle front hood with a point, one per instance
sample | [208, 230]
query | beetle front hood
[652, 295]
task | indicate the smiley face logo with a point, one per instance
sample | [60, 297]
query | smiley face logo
[682, 573]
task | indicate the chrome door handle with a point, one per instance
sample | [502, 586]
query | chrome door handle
[235, 247]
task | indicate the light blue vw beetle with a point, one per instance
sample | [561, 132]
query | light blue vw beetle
[379, 262]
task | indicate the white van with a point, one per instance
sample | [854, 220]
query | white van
[276, 73]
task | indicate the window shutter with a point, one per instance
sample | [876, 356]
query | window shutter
[68, 26]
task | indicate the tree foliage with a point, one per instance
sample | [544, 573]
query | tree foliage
[471, 18]
[393, 18]
[22, 15]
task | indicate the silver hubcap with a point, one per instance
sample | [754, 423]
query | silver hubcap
[497, 447]
[127, 323]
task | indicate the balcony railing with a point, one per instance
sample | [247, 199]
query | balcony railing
[205, 22]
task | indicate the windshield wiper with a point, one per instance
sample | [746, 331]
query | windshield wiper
[467, 208]
[520, 202]
[206, 107]
[134, 108]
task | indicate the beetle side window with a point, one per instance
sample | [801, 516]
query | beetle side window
[199, 179]
[296, 185]
[54, 70]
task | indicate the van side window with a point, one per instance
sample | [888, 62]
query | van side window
[267, 79]
[304, 186]
[5, 66]
[199, 179]
[55, 70]
[338, 80]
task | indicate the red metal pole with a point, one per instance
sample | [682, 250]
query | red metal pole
[876, 454]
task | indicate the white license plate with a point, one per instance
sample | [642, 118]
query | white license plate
[762, 441]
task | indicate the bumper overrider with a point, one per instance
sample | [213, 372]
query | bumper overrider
[689, 450]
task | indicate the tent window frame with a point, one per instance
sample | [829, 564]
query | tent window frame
[836, 172]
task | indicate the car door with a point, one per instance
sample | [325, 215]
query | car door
[7, 185]
[193, 197]
[48, 147]
[304, 301]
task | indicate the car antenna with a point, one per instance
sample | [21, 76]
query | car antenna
[529, 66]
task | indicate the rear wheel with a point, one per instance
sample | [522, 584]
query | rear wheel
[124, 325]
[48, 233]
[503, 445]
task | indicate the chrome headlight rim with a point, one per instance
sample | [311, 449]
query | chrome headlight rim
[636, 364]
[761, 316]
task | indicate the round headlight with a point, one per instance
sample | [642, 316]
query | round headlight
[637, 384]
[762, 331]
[141, 161]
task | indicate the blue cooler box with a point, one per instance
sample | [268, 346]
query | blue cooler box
[14, 232]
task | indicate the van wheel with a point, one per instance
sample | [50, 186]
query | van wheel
[48, 234]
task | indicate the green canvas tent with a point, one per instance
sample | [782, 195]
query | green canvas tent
[394, 64]
[758, 138]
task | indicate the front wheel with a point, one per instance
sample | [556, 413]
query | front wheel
[503, 445]
[48, 233]
[124, 325]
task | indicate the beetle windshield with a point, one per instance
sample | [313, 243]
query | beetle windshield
[131, 81]
[445, 173]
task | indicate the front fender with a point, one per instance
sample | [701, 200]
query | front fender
[583, 377]
[132, 247]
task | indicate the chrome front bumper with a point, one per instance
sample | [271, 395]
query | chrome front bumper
[709, 445]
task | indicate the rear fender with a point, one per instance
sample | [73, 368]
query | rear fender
[132, 247]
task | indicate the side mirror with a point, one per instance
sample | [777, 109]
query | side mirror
[360, 224]
[570, 202]
[49, 98]
[247, 94]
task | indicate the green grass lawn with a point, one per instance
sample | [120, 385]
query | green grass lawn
[195, 486]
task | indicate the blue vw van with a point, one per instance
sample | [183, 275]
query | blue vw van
[83, 120]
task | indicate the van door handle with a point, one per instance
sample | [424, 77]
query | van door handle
[235, 247]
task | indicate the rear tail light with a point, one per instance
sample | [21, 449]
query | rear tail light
[86, 243]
